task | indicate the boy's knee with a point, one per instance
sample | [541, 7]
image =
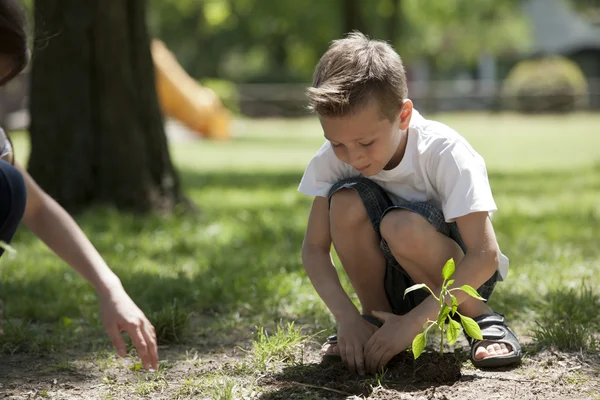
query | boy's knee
[405, 231]
[346, 210]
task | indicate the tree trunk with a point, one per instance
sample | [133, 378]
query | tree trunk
[352, 16]
[97, 134]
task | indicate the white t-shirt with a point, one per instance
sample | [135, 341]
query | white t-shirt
[5, 147]
[439, 167]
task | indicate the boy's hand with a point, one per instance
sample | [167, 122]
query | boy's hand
[353, 334]
[392, 338]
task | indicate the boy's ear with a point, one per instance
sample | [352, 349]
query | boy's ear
[405, 114]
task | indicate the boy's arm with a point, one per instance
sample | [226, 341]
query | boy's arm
[477, 266]
[318, 264]
[353, 331]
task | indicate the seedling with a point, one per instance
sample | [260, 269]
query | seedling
[452, 328]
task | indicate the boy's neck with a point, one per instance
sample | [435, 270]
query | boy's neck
[399, 154]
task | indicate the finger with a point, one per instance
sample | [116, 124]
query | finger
[150, 338]
[350, 358]
[377, 359]
[371, 361]
[370, 343]
[117, 340]
[140, 344]
[385, 358]
[369, 351]
[360, 362]
[342, 349]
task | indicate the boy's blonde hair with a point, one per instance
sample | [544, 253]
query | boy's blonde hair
[355, 71]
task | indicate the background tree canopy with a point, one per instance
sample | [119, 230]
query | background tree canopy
[274, 41]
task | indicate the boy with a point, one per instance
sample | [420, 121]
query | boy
[398, 195]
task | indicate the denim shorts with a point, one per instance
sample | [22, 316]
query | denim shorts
[377, 203]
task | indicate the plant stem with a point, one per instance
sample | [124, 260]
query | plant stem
[442, 325]
[442, 339]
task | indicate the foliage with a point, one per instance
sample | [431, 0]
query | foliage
[268, 40]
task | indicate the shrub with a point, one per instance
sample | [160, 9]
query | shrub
[545, 85]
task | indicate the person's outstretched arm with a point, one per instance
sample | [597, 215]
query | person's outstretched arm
[55, 227]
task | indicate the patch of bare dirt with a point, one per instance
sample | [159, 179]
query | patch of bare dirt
[547, 375]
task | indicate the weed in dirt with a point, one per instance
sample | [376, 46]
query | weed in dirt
[63, 364]
[192, 357]
[188, 386]
[281, 346]
[104, 360]
[220, 386]
[171, 324]
[146, 388]
[25, 337]
[564, 335]
[569, 320]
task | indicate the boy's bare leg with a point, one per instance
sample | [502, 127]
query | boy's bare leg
[422, 251]
[357, 245]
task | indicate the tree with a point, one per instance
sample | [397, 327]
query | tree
[353, 17]
[97, 132]
[457, 32]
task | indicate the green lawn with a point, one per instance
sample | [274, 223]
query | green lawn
[209, 280]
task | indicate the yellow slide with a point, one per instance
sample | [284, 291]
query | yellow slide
[185, 100]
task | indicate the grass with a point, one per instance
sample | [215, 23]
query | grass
[213, 278]
[279, 347]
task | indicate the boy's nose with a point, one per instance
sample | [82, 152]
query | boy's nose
[356, 158]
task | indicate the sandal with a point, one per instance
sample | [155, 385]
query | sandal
[494, 330]
[332, 339]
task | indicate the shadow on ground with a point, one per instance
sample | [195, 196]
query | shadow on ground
[403, 374]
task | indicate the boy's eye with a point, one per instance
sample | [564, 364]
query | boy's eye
[367, 144]
[336, 144]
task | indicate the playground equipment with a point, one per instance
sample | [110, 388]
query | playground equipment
[185, 100]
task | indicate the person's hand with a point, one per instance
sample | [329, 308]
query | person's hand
[393, 337]
[353, 334]
[119, 313]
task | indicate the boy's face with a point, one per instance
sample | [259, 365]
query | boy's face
[366, 140]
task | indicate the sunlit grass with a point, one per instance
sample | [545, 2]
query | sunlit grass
[239, 259]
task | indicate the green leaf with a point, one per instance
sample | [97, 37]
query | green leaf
[453, 331]
[471, 327]
[448, 269]
[454, 304]
[449, 283]
[471, 292]
[416, 287]
[443, 314]
[418, 344]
